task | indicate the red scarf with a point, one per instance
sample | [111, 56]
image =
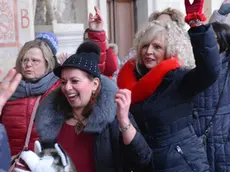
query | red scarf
[146, 86]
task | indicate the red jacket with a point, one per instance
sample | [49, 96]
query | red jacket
[16, 116]
[108, 60]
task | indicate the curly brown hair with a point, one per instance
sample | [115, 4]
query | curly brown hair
[175, 15]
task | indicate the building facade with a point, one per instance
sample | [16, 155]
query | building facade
[20, 20]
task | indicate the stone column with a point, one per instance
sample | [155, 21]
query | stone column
[65, 19]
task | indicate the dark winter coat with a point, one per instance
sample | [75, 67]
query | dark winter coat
[4, 150]
[164, 118]
[218, 143]
[111, 155]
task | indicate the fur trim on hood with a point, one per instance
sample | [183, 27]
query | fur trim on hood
[114, 47]
[49, 118]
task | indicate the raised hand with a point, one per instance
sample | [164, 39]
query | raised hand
[123, 100]
[195, 17]
[62, 57]
[8, 86]
[96, 21]
[195, 7]
[225, 8]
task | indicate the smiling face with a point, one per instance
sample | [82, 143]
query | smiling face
[154, 52]
[78, 87]
[33, 64]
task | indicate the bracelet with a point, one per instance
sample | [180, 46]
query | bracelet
[193, 16]
[125, 128]
[195, 22]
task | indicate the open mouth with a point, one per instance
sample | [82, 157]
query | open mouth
[72, 97]
[150, 59]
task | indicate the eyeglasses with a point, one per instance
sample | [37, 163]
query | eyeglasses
[33, 62]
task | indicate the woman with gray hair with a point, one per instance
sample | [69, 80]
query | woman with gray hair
[169, 15]
[163, 90]
[35, 63]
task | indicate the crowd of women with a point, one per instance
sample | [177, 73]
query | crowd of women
[165, 109]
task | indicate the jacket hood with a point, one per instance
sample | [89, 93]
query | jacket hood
[49, 118]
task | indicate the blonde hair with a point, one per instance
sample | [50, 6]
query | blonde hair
[46, 51]
[174, 14]
[176, 41]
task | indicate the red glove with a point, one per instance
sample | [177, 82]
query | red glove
[195, 7]
[194, 10]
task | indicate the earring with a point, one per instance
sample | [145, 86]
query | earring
[93, 98]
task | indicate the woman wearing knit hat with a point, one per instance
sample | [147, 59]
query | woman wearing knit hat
[35, 62]
[51, 40]
[85, 115]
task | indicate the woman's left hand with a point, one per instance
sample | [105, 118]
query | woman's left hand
[123, 100]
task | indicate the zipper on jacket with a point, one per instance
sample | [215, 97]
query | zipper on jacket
[180, 151]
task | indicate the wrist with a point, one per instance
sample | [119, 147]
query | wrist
[124, 125]
[195, 16]
[195, 23]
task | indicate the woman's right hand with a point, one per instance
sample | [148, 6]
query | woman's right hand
[8, 86]
[96, 21]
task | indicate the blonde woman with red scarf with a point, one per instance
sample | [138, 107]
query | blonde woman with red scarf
[163, 90]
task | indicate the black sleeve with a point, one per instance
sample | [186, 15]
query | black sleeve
[206, 53]
[138, 151]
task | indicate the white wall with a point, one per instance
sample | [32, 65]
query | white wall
[146, 7]
[18, 29]
[143, 8]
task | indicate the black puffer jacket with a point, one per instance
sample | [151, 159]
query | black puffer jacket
[205, 104]
[164, 118]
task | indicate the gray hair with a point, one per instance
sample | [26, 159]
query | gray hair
[177, 41]
[46, 51]
[174, 14]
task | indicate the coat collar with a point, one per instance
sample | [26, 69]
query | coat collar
[49, 119]
[146, 86]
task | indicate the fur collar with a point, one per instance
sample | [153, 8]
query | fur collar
[145, 87]
[49, 119]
